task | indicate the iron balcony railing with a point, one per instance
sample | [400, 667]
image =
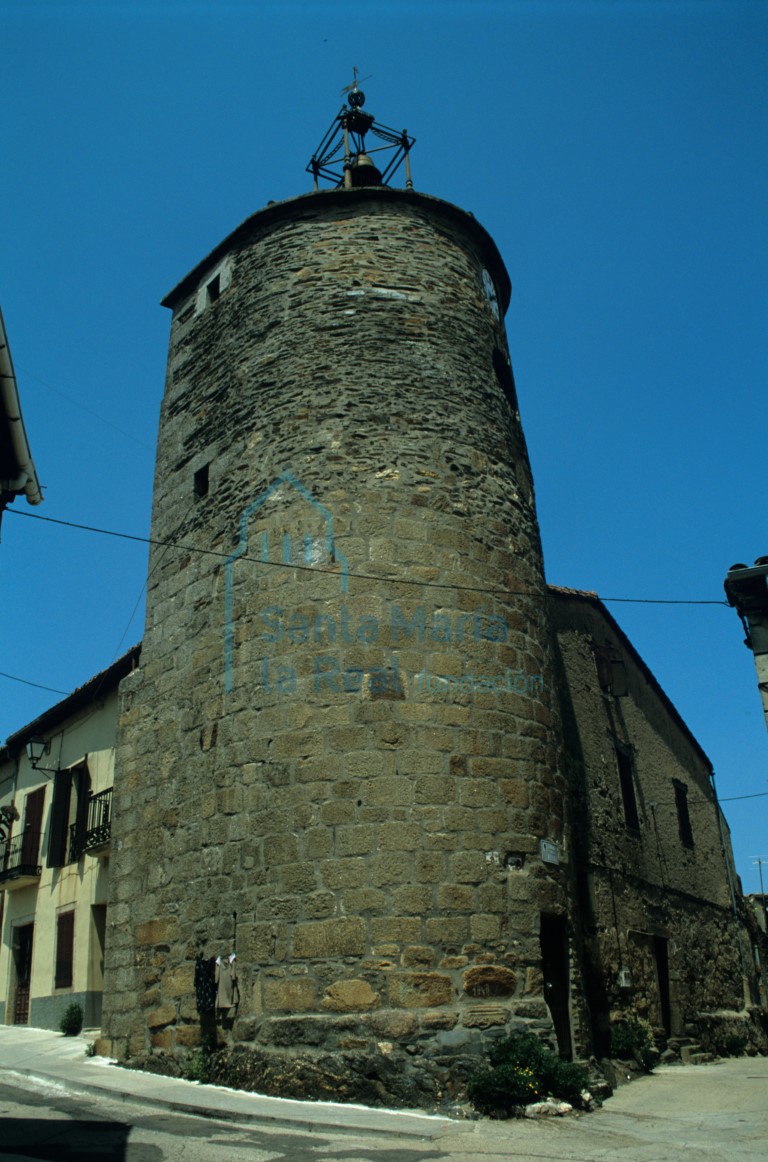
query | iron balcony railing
[19, 856]
[98, 829]
[98, 826]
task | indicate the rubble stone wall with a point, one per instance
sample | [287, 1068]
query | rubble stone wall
[653, 902]
[342, 748]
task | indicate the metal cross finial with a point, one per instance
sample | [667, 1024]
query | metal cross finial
[356, 82]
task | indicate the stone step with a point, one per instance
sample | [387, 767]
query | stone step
[693, 1054]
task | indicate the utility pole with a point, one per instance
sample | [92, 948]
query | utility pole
[747, 590]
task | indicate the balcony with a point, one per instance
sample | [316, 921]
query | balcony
[19, 856]
[95, 838]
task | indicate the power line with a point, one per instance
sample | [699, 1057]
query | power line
[360, 576]
[83, 407]
[733, 798]
[37, 685]
[52, 689]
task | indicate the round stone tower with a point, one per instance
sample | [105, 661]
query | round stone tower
[340, 756]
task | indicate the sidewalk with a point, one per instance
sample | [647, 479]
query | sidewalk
[44, 1054]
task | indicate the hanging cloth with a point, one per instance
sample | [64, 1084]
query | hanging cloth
[227, 990]
[205, 983]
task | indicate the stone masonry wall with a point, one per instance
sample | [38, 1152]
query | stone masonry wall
[342, 747]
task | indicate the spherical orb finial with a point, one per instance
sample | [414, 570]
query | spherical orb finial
[356, 98]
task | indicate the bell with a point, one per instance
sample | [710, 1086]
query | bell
[363, 172]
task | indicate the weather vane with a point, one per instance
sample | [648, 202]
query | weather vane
[347, 132]
[353, 89]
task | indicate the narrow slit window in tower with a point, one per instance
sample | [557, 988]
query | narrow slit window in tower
[505, 378]
[201, 482]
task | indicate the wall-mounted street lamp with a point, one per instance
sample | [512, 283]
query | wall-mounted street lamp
[746, 588]
[36, 748]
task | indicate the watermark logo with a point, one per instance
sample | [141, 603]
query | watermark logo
[332, 629]
[471, 683]
[311, 550]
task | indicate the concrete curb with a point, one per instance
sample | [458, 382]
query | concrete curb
[50, 1058]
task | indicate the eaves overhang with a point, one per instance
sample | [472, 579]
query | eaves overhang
[47, 722]
[18, 475]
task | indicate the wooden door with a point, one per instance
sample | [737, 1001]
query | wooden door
[22, 956]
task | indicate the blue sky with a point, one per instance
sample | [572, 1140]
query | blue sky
[616, 151]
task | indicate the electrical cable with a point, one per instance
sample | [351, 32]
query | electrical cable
[37, 685]
[83, 407]
[97, 691]
[733, 798]
[360, 576]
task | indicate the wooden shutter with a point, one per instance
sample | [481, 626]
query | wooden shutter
[57, 840]
[611, 671]
[683, 815]
[33, 823]
[81, 779]
[627, 781]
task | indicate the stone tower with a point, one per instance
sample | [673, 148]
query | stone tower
[340, 753]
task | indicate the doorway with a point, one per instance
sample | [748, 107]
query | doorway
[22, 963]
[554, 966]
[96, 965]
[661, 955]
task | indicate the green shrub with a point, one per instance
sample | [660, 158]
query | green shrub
[633, 1037]
[523, 1070]
[72, 1021]
[732, 1045]
[567, 1080]
[199, 1066]
[500, 1091]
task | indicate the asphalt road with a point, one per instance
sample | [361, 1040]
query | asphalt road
[42, 1121]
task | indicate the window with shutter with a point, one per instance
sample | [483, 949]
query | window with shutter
[683, 815]
[81, 783]
[33, 825]
[69, 815]
[65, 947]
[611, 671]
[57, 838]
[627, 783]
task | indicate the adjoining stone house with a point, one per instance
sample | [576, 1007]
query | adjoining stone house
[54, 854]
[660, 926]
